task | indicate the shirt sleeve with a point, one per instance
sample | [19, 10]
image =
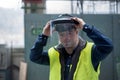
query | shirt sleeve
[102, 44]
[36, 53]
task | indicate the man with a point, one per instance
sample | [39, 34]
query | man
[73, 58]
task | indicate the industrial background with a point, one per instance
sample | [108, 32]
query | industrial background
[104, 14]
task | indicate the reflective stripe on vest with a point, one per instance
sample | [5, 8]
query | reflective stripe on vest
[84, 70]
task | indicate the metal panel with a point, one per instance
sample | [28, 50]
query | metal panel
[116, 39]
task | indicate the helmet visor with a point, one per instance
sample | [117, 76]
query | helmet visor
[63, 25]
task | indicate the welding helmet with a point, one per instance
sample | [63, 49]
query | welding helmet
[60, 24]
[63, 23]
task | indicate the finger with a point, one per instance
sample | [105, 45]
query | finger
[74, 18]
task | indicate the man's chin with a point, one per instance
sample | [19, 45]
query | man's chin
[67, 45]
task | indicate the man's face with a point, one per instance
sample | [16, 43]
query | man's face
[68, 38]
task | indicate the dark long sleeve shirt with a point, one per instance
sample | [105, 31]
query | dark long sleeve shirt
[102, 47]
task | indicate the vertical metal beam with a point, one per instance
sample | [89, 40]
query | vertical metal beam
[71, 6]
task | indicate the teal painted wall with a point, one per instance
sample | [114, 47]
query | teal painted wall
[108, 24]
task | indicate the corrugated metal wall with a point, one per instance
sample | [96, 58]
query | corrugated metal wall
[108, 24]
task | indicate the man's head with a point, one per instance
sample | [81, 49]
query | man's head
[66, 28]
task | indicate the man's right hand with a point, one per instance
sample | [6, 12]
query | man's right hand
[46, 29]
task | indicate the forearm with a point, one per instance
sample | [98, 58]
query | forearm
[102, 43]
[37, 55]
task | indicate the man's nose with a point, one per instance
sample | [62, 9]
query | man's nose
[67, 35]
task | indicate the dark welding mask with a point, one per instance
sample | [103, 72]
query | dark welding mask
[63, 23]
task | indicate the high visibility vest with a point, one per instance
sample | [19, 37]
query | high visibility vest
[84, 69]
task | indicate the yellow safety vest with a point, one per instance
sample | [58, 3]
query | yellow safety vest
[84, 69]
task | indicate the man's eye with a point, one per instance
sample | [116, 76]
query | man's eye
[69, 32]
[61, 34]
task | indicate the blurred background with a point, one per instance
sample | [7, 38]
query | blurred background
[21, 21]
